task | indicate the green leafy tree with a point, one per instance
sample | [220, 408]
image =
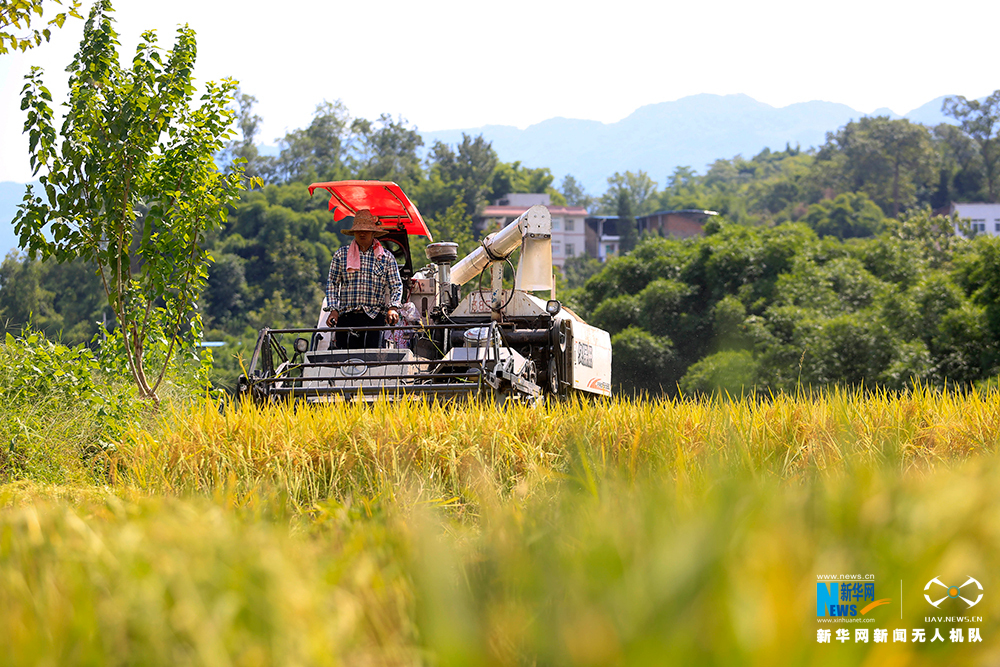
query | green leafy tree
[637, 188]
[618, 313]
[386, 150]
[908, 151]
[130, 184]
[628, 233]
[454, 226]
[316, 152]
[254, 164]
[981, 122]
[730, 371]
[644, 363]
[961, 176]
[466, 172]
[24, 298]
[511, 177]
[578, 269]
[850, 215]
[728, 316]
[16, 15]
[64, 301]
[663, 304]
[226, 297]
[574, 193]
[889, 160]
[685, 190]
[931, 237]
[979, 272]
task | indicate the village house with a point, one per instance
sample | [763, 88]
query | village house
[568, 228]
[603, 236]
[984, 218]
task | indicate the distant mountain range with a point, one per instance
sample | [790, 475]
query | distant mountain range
[693, 131]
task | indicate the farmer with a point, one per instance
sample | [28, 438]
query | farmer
[364, 288]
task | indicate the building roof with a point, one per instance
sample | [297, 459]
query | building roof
[682, 211]
[514, 211]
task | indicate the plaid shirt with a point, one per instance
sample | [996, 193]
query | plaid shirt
[374, 288]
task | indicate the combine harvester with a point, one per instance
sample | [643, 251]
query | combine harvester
[494, 342]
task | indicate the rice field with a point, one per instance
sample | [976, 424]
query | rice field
[686, 531]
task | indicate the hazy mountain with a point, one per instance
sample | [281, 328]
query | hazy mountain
[693, 131]
[930, 113]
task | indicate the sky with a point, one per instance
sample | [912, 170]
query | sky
[443, 64]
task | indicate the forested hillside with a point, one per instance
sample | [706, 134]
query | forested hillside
[780, 307]
[825, 266]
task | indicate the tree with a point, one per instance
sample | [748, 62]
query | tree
[981, 121]
[130, 184]
[643, 363]
[850, 215]
[17, 14]
[245, 147]
[889, 160]
[387, 150]
[454, 226]
[465, 172]
[315, 152]
[907, 147]
[961, 175]
[23, 297]
[511, 177]
[731, 371]
[980, 272]
[574, 193]
[627, 233]
[226, 298]
[63, 301]
[578, 269]
[638, 188]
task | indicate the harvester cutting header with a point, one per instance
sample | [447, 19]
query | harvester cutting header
[504, 343]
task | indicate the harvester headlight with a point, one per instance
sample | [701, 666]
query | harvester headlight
[552, 307]
[301, 345]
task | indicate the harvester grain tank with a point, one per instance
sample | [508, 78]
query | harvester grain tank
[502, 342]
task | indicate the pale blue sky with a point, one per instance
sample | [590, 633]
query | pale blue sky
[459, 64]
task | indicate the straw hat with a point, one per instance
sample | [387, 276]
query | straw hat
[364, 221]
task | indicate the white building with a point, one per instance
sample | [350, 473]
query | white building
[984, 218]
[568, 228]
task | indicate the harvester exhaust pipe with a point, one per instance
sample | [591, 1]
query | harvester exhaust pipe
[443, 254]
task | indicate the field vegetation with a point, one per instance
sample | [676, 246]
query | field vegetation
[683, 530]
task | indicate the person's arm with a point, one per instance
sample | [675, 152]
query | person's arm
[333, 288]
[395, 290]
[395, 284]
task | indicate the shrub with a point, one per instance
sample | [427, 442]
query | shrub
[643, 363]
[732, 371]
